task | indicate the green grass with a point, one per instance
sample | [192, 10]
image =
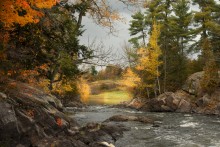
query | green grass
[109, 97]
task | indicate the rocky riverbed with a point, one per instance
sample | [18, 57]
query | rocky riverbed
[31, 117]
[166, 130]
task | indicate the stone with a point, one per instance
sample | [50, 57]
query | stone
[122, 118]
[192, 84]
[2, 95]
[30, 117]
[184, 106]
[8, 122]
[166, 102]
[204, 101]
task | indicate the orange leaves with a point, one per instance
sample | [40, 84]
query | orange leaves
[30, 113]
[44, 3]
[21, 11]
[59, 122]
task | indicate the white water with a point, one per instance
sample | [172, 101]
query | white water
[176, 130]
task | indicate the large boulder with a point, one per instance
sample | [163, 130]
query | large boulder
[192, 84]
[31, 117]
[180, 101]
[184, 106]
[166, 102]
[28, 114]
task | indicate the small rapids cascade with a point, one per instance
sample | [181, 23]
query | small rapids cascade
[168, 130]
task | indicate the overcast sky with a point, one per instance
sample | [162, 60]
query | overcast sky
[100, 34]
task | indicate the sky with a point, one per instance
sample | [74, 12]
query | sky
[100, 34]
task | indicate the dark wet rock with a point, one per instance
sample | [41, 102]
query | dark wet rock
[203, 101]
[156, 125]
[166, 102]
[94, 133]
[76, 104]
[123, 118]
[30, 117]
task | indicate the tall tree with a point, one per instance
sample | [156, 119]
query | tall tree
[210, 79]
[206, 21]
[138, 28]
[53, 42]
[148, 62]
[179, 22]
[208, 29]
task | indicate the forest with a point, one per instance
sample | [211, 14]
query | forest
[40, 43]
[170, 41]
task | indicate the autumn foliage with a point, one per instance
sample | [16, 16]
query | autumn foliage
[22, 11]
[83, 89]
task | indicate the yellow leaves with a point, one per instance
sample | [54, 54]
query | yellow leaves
[83, 89]
[130, 79]
[148, 61]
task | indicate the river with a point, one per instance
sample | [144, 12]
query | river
[175, 129]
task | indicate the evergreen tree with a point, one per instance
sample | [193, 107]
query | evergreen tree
[208, 29]
[160, 10]
[210, 79]
[179, 23]
[138, 28]
[206, 21]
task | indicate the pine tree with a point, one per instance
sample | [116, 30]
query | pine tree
[210, 79]
[138, 28]
[148, 63]
[208, 29]
[206, 21]
[179, 28]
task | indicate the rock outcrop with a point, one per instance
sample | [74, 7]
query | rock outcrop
[190, 99]
[124, 118]
[170, 102]
[31, 117]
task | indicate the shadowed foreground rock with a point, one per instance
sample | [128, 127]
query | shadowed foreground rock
[30, 117]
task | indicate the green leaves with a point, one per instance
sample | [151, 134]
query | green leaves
[138, 28]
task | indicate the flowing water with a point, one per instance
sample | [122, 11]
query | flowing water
[175, 129]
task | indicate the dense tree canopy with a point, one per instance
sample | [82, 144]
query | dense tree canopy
[22, 11]
[183, 31]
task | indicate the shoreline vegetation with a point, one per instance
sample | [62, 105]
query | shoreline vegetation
[45, 68]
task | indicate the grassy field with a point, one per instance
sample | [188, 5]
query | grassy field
[109, 98]
[108, 92]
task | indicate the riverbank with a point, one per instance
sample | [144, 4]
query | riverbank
[189, 99]
[31, 117]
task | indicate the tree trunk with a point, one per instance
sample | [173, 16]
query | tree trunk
[158, 81]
